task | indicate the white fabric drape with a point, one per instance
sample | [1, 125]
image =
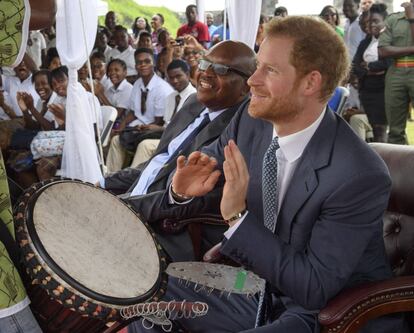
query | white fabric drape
[244, 18]
[201, 10]
[76, 25]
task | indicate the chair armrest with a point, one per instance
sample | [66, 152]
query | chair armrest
[352, 308]
[173, 226]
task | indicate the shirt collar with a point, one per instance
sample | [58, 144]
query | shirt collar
[152, 82]
[211, 114]
[121, 86]
[186, 91]
[293, 145]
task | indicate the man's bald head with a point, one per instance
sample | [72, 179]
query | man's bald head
[234, 54]
[223, 73]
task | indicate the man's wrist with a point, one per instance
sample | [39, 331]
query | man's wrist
[232, 218]
[179, 197]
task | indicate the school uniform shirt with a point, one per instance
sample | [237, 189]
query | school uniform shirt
[36, 44]
[48, 115]
[170, 102]
[120, 96]
[12, 85]
[7, 101]
[127, 56]
[158, 90]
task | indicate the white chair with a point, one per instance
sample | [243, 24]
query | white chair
[109, 114]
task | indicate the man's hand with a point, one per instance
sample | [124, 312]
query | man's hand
[28, 99]
[196, 176]
[409, 9]
[237, 181]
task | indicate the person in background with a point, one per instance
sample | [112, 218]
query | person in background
[396, 43]
[260, 33]
[366, 5]
[178, 76]
[36, 47]
[157, 21]
[110, 22]
[144, 40]
[146, 108]
[370, 71]
[124, 51]
[194, 27]
[281, 12]
[210, 24]
[101, 43]
[331, 16]
[140, 24]
[52, 59]
[218, 34]
[98, 67]
[353, 34]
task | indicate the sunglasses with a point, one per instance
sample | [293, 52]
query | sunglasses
[219, 69]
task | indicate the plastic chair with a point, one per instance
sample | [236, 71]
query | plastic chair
[109, 114]
[338, 99]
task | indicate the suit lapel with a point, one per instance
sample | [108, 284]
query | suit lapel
[304, 181]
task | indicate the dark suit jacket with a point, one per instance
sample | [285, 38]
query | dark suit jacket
[329, 228]
[126, 179]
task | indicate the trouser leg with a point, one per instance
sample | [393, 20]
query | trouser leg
[116, 155]
[396, 104]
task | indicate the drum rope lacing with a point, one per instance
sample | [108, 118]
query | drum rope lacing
[161, 313]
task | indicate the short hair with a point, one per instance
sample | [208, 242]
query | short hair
[120, 28]
[144, 50]
[178, 63]
[116, 61]
[144, 33]
[310, 38]
[280, 10]
[379, 8]
[51, 53]
[59, 73]
[98, 55]
[44, 72]
[189, 7]
[161, 17]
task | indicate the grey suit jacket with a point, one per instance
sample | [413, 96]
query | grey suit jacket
[329, 228]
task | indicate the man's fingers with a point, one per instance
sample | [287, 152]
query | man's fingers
[180, 162]
[239, 159]
[212, 180]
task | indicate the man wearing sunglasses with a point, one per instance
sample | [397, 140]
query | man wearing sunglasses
[303, 196]
[221, 88]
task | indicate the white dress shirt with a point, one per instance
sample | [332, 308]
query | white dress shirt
[7, 101]
[288, 156]
[13, 85]
[170, 102]
[371, 52]
[127, 55]
[120, 96]
[353, 35]
[157, 162]
[35, 49]
[158, 90]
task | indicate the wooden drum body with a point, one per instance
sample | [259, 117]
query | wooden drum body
[89, 251]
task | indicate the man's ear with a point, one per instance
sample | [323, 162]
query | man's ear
[312, 83]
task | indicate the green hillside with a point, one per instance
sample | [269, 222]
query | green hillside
[128, 10]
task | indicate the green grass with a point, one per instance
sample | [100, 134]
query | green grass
[128, 10]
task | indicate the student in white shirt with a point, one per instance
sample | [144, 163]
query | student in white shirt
[123, 50]
[119, 93]
[36, 47]
[147, 105]
[178, 76]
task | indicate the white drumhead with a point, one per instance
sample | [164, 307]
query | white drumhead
[96, 240]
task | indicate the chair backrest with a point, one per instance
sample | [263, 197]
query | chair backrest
[338, 99]
[399, 216]
[109, 114]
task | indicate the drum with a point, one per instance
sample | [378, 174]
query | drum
[88, 250]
